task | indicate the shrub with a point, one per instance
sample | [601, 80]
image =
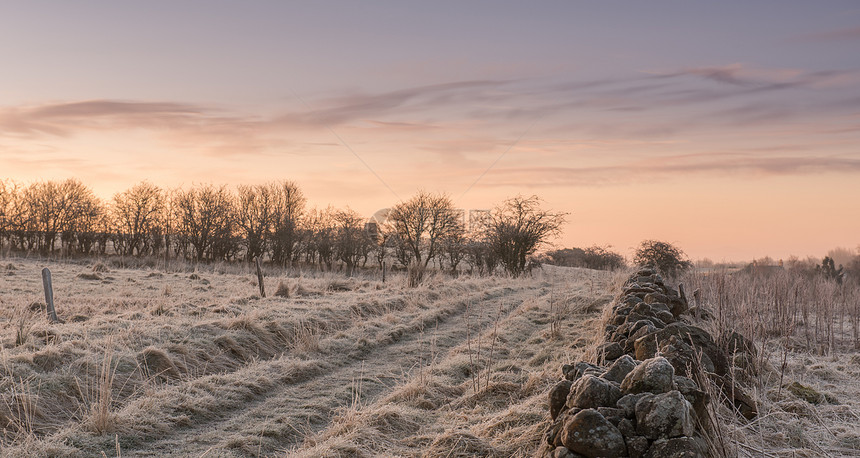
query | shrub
[669, 259]
[594, 257]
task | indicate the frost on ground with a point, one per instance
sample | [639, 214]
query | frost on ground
[805, 378]
[177, 362]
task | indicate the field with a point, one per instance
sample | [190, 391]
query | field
[804, 378]
[177, 361]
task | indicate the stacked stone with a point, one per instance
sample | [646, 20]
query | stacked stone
[639, 401]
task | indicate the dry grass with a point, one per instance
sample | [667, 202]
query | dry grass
[175, 359]
[806, 331]
[484, 396]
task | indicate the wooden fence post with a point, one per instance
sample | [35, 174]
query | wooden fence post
[49, 295]
[383, 272]
[260, 278]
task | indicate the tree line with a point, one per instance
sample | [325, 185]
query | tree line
[272, 221]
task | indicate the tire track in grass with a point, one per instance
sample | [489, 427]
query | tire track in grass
[271, 416]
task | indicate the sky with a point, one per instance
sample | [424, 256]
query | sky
[731, 129]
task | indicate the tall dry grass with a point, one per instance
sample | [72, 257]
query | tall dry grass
[808, 312]
[806, 330]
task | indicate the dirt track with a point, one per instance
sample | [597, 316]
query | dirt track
[298, 375]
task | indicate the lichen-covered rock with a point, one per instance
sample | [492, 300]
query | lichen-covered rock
[682, 356]
[643, 308]
[613, 414]
[628, 403]
[680, 447]
[563, 452]
[664, 416]
[696, 397]
[626, 428]
[656, 297]
[653, 375]
[665, 316]
[643, 331]
[552, 435]
[609, 351]
[579, 369]
[558, 397]
[619, 369]
[591, 392]
[700, 340]
[712, 357]
[637, 446]
[631, 300]
[645, 347]
[634, 317]
[636, 325]
[589, 433]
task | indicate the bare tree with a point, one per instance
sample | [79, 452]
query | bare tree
[320, 233]
[422, 223]
[255, 217]
[480, 256]
[385, 238]
[44, 207]
[86, 213]
[9, 217]
[287, 211]
[517, 228]
[352, 242]
[138, 215]
[81, 209]
[204, 218]
[52, 209]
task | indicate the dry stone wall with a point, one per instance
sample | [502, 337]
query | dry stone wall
[643, 397]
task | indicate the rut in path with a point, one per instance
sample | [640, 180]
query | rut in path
[279, 417]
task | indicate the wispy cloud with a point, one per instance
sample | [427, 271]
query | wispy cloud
[668, 166]
[63, 119]
[465, 122]
[342, 109]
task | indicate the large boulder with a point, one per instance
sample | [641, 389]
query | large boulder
[664, 416]
[682, 356]
[619, 369]
[656, 297]
[654, 375]
[552, 435]
[696, 397]
[591, 392]
[628, 403]
[558, 397]
[637, 446]
[574, 372]
[609, 351]
[590, 434]
[647, 346]
[679, 447]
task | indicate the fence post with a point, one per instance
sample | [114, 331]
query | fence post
[383, 271]
[49, 295]
[682, 293]
[260, 278]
